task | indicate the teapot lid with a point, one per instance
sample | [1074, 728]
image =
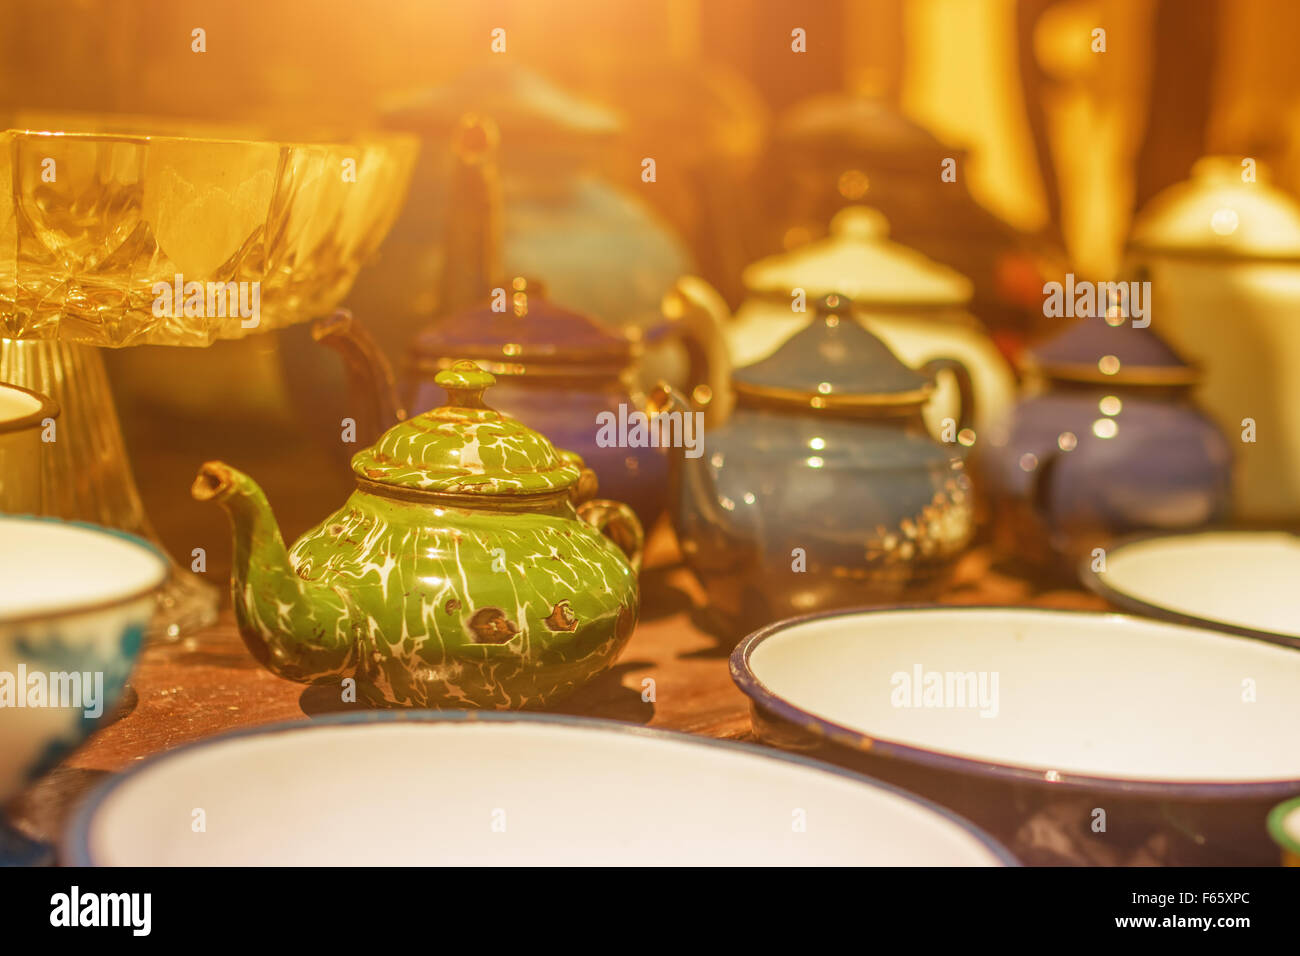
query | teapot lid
[858, 123]
[1108, 349]
[835, 362]
[859, 260]
[467, 448]
[525, 105]
[1215, 213]
[533, 334]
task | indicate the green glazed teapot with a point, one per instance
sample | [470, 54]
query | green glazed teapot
[472, 566]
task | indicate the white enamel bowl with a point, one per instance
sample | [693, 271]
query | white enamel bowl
[421, 788]
[75, 600]
[1096, 701]
[1246, 582]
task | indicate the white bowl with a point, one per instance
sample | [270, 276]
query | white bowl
[420, 788]
[1246, 582]
[75, 600]
[1094, 701]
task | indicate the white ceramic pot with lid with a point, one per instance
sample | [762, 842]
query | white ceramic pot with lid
[1223, 254]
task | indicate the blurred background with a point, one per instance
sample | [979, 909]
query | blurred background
[755, 146]
[1059, 138]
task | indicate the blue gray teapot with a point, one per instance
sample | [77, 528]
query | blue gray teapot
[822, 488]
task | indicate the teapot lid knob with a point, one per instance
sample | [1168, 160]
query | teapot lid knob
[861, 223]
[521, 288]
[476, 139]
[465, 383]
[835, 304]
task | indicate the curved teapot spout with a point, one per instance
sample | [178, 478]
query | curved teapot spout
[696, 310]
[295, 630]
[372, 387]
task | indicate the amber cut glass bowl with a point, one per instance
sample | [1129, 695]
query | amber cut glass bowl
[91, 222]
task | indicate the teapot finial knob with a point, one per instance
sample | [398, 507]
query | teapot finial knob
[523, 287]
[835, 306]
[476, 139]
[465, 383]
[860, 223]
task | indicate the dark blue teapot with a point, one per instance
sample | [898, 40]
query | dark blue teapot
[561, 372]
[1107, 441]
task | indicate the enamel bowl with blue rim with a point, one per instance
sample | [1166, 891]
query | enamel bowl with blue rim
[1237, 581]
[1073, 737]
[75, 601]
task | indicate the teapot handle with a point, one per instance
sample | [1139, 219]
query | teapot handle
[372, 387]
[965, 387]
[695, 312]
[619, 523]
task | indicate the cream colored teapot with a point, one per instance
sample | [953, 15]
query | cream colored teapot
[916, 306]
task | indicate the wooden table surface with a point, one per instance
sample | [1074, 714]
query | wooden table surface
[208, 683]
